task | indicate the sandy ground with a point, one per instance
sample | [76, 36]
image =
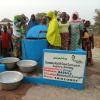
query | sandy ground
[41, 92]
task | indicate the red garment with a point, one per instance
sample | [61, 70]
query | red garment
[5, 39]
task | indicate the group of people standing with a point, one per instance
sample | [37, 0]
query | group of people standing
[70, 35]
[62, 33]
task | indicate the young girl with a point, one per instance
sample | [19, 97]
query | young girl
[64, 30]
[88, 42]
[5, 42]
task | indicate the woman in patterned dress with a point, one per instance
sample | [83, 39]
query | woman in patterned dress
[76, 32]
[18, 33]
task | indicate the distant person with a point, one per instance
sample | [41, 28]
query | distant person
[64, 30]
[32, 22]
[5, 42]
[88, 42]
[76, 32]
[0, 41]
[23, 26]
[44, 21]
[53, 33]
[10, 31]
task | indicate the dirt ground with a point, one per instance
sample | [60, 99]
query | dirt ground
[41, 92]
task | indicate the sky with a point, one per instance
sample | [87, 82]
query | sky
[85, 8]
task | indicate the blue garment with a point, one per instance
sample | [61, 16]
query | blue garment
[32, 24]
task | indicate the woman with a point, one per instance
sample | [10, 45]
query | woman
[76, 32]
[88, 42]
[18, 33]
[53, 33]
[64, 30]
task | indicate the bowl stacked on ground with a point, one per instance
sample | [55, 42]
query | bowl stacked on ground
[10, 62]
[26, 65]
[10, 80]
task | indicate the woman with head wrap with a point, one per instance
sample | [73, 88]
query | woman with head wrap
[53, 33]
[76, 32]
[19, 31]
[64, 30]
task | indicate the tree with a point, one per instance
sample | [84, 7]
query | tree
[97, 21]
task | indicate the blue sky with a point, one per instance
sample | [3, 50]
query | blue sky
[86, 8]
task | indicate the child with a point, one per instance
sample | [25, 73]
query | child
[88, 42]
[64, 29]
[5, 42]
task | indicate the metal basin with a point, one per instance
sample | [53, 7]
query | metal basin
[10, 62]
[26, 65]
[10, 80]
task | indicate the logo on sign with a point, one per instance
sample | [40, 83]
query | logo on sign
[74, 59]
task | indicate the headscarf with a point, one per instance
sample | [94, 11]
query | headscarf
[77, 14]
[51, 14]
